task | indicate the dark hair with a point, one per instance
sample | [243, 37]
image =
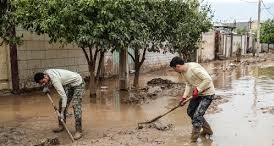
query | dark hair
[175, 61]
[38, 76]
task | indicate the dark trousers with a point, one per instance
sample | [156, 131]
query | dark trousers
[197, 108]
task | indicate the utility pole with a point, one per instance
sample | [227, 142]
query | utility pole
[249, 35]
[258, 45]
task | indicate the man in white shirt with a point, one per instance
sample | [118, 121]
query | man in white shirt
[200, 86]
[70, 86]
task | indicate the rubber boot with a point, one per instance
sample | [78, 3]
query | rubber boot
[195, 134]
[78, 133]
[206, 129]
[59, 129]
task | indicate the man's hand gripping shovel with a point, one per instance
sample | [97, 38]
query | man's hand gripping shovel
[182, 103]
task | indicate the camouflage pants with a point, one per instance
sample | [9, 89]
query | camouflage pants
[197, 108]
[74, 95]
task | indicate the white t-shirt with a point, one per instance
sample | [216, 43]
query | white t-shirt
[60, 78]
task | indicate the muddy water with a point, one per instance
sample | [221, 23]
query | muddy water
[247, 119]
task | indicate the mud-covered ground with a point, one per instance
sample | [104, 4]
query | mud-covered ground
[242, 105]
[158, 87]
[36, 131]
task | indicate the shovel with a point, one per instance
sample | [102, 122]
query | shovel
[58, 114]
[160, 116]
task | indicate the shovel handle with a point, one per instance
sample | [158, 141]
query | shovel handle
[68, 132]
[58, 114]
[160, 116]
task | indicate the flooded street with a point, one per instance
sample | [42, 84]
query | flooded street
[242, 115]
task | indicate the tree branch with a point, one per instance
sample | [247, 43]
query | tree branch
[100, 64]
[86, 55]
[131, 56]
[2, 43]
[112, 50]
[143, 57]
[90, 53]
[95, 54]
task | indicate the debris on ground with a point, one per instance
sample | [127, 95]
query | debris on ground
[48, 142]
[267, 110]
[155, 88]
[131, 137]
[162, 126]
[159, 81]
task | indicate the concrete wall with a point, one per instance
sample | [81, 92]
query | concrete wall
[244, 43]
[207, 50]
[264, 47]
[152, 62]
[4, 68]
[228, 46]
[156, 60]
[237, 40]
[37, 55]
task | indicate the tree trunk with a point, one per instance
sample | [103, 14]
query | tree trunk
[268, 47]
[14, 64]
[100, 65]
[92, 83]
[136, 76]
[91, 67]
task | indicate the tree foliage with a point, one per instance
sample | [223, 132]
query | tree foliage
[189, 21]
[241, 31]
[98, 26]
[7, 22]
[267, 32]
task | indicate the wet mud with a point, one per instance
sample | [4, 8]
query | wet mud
[154, 89]
[243, 104]
[28, 132]
[128, 137]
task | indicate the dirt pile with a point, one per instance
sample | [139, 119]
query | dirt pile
[162, 126]
[155, 88]
[48, 142]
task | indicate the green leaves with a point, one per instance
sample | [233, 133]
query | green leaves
[189, 21]
[267, 32]
[8, 21]
[113, 23]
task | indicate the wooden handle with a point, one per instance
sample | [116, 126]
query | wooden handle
[58, 114]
